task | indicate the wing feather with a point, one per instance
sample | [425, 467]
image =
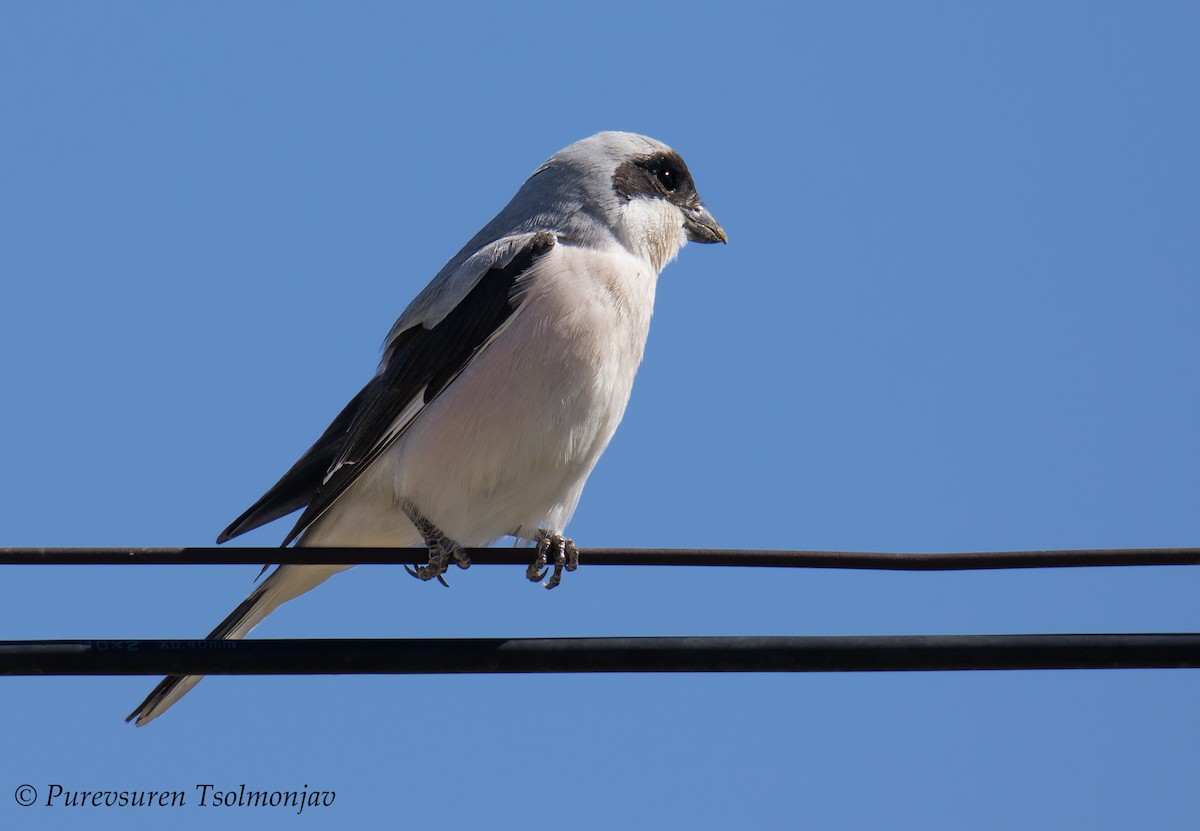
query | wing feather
[419, 362]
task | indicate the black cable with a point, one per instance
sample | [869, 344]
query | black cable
[558, 655]
[615, 557]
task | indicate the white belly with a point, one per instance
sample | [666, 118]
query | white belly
[507, 447]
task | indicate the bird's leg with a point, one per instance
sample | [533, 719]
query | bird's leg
[537, 568]
[441, 548]
[556, 547]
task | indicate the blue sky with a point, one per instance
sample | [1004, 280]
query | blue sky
[957, 312]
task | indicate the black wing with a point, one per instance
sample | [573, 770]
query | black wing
[420, 364]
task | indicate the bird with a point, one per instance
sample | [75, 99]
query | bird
[499, 386]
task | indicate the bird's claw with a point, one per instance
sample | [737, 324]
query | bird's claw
[537, 569]
[441, 550]
[424, 570]
[554, 547]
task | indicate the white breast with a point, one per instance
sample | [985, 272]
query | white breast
[508, 446]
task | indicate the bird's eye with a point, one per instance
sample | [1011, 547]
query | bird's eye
[666, 177]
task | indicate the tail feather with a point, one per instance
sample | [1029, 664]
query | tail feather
[282, 585]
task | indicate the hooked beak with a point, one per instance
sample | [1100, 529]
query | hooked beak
[701, 226]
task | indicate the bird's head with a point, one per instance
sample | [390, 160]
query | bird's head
[636, 189]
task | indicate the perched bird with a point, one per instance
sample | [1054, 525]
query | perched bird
[500, 384]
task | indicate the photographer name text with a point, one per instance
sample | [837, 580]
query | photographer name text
[202, 795]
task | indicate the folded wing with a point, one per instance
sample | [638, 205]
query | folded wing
[434, 340]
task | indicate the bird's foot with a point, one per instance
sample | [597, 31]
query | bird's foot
[556, 549]
[442, 550]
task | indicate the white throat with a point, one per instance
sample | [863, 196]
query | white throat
[651, 229]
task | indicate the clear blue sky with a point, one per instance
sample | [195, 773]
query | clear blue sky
[958, 311]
